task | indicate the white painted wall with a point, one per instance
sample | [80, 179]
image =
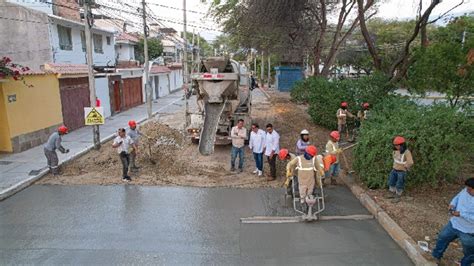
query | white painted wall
[162, 87]
[176, 79]
[102, 92]
[125, 51]
[35, 4]
[76, 55]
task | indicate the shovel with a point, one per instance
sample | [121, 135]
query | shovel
[36, 172]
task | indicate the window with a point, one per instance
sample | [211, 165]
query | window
[98, 44]
[108, 40]
[83, 41]
[65, 40]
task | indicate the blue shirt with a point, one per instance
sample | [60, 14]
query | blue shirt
[464, 204]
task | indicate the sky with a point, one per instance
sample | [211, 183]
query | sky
[170, 13]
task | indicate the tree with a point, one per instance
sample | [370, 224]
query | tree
[155, 49]
[446, 65]
[205, 48]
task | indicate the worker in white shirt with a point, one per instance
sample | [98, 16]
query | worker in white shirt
[238, 135]
[124, 145]
[272, 147]
[256, 144]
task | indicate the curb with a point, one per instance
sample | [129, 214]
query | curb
[8, 192]
[390, 226]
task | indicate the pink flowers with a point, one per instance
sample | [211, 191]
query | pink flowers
[15, 71]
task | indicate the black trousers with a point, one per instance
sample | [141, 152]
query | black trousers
[272, 163]
[125, 159]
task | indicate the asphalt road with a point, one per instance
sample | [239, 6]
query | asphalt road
[182, 226]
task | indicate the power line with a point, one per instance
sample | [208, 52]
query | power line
[177, 8]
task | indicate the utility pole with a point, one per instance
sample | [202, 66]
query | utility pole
[185, 54]
[149, 104]
[255, 64]
[262, 74]
[88, 23]
[269, 71]
[192, 54]
[198, 55]
[185, 66]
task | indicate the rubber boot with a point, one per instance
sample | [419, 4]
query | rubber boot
[398, 196]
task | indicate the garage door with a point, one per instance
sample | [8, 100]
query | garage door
[74, 97]
[132, 92]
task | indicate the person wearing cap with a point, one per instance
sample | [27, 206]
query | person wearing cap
[134, 134]
[333, 152]
[460, 225]
[256, 144]
[307, 169]
[55, 143]
[124, 145]
[285, 155]
[272, 147]
[342, 114]
[303, 142]
[402, 162]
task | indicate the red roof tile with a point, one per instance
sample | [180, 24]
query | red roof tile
[175, 65]
[127, 37]
[155, 69]
[66, 69]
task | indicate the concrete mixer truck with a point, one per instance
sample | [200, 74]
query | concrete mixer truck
[223, 97]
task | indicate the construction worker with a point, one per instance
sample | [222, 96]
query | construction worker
[53, 143]
[402, 162]
[256, 144]
[363, 114]
[307, 166]
[134, 134]
[342, 114]
[461, 225]
[285, 155]
[272, 147]
[333, 150]
[303, 142]
[238, 135]
[124, 145]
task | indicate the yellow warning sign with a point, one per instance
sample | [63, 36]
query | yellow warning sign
[94, 116]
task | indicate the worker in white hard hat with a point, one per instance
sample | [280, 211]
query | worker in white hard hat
[303, 142]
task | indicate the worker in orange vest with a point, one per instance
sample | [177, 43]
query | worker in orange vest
[342, 114]
[402, 162]
[331, 159]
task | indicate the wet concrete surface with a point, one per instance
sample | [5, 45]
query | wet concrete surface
[182, 226]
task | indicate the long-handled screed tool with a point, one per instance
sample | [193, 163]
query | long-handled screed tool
[149, 150]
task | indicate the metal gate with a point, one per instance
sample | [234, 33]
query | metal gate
[74, 97]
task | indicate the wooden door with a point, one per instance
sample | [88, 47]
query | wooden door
[132, 92]
[74, 97]
[117, 96]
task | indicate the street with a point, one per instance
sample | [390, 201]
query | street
[49, 224]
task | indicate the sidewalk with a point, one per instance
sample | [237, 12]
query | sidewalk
[14, 168]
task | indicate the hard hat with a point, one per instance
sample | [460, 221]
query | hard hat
[365, 105]
[344, 104]
[398, 140]
[311, 150]
[282, 154]
[132, 123]
[63, 130]
[304, 132]
[335, 135]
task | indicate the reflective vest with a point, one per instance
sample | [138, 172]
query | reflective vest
[401, 160]
[301, 168]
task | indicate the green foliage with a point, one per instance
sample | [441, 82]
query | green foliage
[155, 49]
[439, 138]
[443, 66]
[325, 96]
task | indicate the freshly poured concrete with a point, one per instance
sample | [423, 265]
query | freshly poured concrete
[182, 226]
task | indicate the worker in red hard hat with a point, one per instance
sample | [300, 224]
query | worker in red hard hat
[342, 114]
[50, 147]
[285, 155]
[333, 152]
[363, 114]
[134, 134]
[307, 169]
[402, 162]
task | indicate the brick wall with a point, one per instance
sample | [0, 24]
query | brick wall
[67, 9]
